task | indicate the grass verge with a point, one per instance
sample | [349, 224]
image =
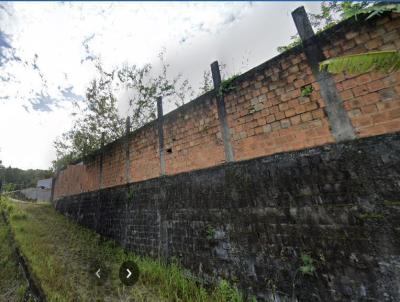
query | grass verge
[12, 282]
[60, 254]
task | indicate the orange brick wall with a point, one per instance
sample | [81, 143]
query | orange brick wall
[78, 178]
[114, 166]
[193, 137]
[70, 181]
[265, 113]
[92, 175]
[372, 99]
[144, 155]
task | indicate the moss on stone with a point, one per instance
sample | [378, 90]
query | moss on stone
[391, 203]
[372, 216]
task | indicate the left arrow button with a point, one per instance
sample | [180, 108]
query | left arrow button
[98, 272]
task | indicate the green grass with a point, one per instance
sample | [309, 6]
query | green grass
[60, 254]
[12, 282]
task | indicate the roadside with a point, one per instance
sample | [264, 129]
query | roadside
[61, 254]
[12, 282]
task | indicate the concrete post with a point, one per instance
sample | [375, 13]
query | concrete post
[101, 161]
[53, 184]
[226, 136]
[339, 121]
[160, 123]
[127, 151]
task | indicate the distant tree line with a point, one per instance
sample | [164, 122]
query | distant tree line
[16, 179]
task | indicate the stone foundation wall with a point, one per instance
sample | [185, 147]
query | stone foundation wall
[251, 221]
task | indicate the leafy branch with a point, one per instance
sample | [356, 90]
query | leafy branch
[385, 61]
[227, 85]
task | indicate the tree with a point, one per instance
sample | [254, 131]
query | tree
[18, 179]
[206, 82]
[100, 116]
[145, 85]
[9, 187]
[99, 120]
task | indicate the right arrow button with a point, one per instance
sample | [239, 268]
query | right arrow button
[129, 273]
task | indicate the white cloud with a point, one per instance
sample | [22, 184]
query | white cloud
[26, 137]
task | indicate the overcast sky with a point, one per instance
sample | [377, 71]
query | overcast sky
[47, 54]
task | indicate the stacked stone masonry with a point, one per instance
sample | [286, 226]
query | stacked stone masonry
[266, 114]
[251, 221]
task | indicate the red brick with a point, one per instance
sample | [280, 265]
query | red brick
[296, 60]
[382, 21]
[290, 112]
[369, 109]
[279, 115]
[261, 121]
[274, 109]
[395, 113]
[361, 39]
[372, 130]
[362, 121]
[270, 118]
[362, 79]
[293, 103]
[300, 109]
[348, 45]
[299, 83]
[304, 99]
[360, 90]
[391, 36]
[319, 113]
[306, 117]
[374, 44]
[276, 125]
[368, 99]
[295, 120]
[346, 94]
[352, 34]
[268, 103]
[392, 126]
[376, 85]
[393, 24]
[382, 106]
[283, 106]
[311, 106]
[379, 117]
[347, 84]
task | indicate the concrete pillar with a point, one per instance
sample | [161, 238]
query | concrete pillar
[127, 151]
[226, 136]
[53, 185]
[160, 123]
[101, 161]
[339, 121]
